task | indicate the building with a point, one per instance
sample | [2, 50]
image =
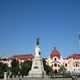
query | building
[71, 63]
[24, 57]
[20, 58]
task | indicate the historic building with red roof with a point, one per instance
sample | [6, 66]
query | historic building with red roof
[20, 58]
[24, 57]
[71, 63]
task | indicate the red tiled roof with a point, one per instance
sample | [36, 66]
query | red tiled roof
[23, 57]
[20, 57]
[74, 56]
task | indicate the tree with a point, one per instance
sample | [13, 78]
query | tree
[47, 68]
[15, 67]
[64, 72]
[25, 67]
[3, 68]
[62, 69]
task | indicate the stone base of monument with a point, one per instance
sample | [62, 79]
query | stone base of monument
[36, 74]
[37, 69]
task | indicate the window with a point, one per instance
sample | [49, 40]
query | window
[76, 65]
[65, 64]
[55, 65]
[55, 59]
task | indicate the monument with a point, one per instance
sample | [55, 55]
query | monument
[37, 69]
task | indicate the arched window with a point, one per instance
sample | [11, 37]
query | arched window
[55, 59]
[76, 65]
[65, 64]
[55, 65]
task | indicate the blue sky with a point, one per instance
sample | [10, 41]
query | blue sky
[55, 22]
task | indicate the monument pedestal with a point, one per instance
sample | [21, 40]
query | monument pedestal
[37, 69]
[36, 74]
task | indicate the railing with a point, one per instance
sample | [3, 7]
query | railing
[55, 77]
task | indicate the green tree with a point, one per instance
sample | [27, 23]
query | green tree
[64, 72]
[47, 68]
[3, 68]
[15, 67]
[25, 67]
[62, 69]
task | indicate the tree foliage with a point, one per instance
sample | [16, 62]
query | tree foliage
[62, 69]
[20, 68]
[3, 68]
[47, 68]
[15, 67]
[25, 67]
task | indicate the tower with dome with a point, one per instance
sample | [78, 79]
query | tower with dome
[55, 60]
